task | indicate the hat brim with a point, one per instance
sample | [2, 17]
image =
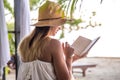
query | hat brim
[55, 22]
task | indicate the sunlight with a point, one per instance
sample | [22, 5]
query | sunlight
[108, 15]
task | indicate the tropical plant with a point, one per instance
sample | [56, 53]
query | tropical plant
[11, 38]
[8, 7]
[12, 43]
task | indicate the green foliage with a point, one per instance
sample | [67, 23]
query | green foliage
[12, 43]
[11, 37]
[34, 4]
[8, 6]
[10, 26]
[62, 33]
[75, 22]
[69, 6]
[73, 6]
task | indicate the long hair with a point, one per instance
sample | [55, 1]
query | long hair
[32, 46]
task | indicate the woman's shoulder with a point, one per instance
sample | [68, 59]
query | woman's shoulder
[54, 45]
[55, 42]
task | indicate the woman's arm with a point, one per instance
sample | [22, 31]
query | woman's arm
[68, 52]
[62, 66]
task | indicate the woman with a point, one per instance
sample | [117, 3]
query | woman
[43, 57]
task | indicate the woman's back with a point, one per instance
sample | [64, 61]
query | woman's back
[36, 70]
[41, 68]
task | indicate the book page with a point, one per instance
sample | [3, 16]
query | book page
[91, 45]
[80, 44]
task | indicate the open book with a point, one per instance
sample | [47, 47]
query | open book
[82, 44]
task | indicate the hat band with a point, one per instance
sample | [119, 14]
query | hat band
[49, 19]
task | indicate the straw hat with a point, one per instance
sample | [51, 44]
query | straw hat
[50, 14]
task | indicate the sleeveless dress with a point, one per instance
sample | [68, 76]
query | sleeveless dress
[36, 70]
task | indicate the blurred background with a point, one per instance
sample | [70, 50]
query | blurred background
[92, 18]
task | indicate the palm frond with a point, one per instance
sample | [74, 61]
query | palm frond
[8, 6]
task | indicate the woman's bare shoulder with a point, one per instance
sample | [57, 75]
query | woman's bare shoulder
[55, 45]
[55, 42]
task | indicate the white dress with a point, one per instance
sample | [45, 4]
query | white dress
[36, 70]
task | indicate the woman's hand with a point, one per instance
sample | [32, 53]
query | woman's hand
[68, 50]
[76, 57]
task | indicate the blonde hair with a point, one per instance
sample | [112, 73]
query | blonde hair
[32, 46]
